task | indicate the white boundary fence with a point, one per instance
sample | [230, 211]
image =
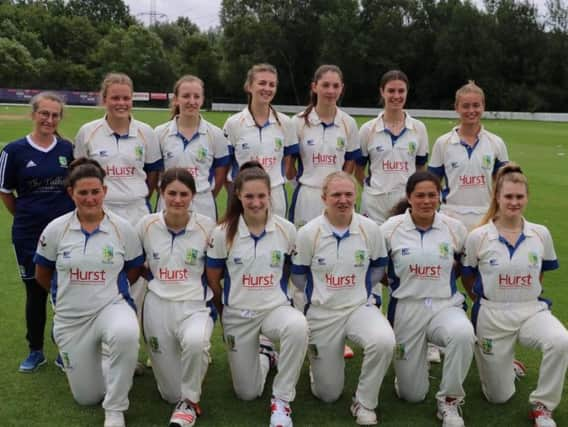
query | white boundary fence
[438, 114]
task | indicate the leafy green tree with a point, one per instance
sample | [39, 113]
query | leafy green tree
[16, 64]
[137, 52]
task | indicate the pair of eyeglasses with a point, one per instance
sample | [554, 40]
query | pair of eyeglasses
[46, 115]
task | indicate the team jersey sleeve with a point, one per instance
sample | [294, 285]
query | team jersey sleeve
[379, 255]
[422, 149]
[133, 254]
[47, 246]
[469, 256]
[303, 254]
[80, 144]
[460, 235]
[217, 248]
[291, 144]
[8, 171]
[221, 156]
[549, 261]
[353, 148]
[501, 155]
[364, 141]
[153, 155]
[436, 165]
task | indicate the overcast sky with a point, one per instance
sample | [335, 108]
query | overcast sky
[205, 13]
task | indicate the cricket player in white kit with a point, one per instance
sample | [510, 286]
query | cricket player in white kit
[250, 251]
[92, 255]
[340, 256]
[467, 158]
[178, 319]
[424, 248]
[504, 262]
[261, 133]
[328, 142]
[128, 151]
[394, 145]
[189, 141]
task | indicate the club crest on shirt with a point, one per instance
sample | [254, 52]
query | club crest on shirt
[278, 144]
[487, 161]
[66, 254]
[201, 154]
[310, 142]
[237, 260]
[139, 152]
[412, 148]
[405, 251]
[493, 262]
[454, 165]
[108, 254]
[533, 259]
[321, 261]
[444, 250]
[63, 161]
[191, 256]
[42, 241]
[340, 143]
[360, 256]
[276, 258]
[156, 255]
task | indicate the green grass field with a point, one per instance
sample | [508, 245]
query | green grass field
[43, 398]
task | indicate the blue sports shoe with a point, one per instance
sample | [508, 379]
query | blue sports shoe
[34, 360]
[59, 363]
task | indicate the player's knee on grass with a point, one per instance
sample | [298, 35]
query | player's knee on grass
[498, 395]
[326, 389]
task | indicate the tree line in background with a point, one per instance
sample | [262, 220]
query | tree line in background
[517, 56]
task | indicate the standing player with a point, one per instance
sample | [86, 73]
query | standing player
[425, 306]
[394, 145]
[177, 316]
[505, 258]
[191, 142]
[32, 174]
[261, 133]
[127, 150]
[329, 142]
[88, 257]
[467, 159]
[340, 257]
[251, 250]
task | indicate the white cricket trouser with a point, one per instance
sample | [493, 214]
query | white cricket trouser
[469, 217]
[378, 206]
[364, 325]
[443, 322]
[178, 336]
[133, 212]
[499, 326]
[241, 330]
[79, 345]
[306, 204]
[202, 203]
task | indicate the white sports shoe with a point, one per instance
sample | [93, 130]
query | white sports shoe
[449, 412]
[433, 354]
[363, 416]
[281, 413]
[519, 369]
[541, 415]
[114, 419]
[185, 414]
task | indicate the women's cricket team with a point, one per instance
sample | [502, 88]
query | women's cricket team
[307, 283]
